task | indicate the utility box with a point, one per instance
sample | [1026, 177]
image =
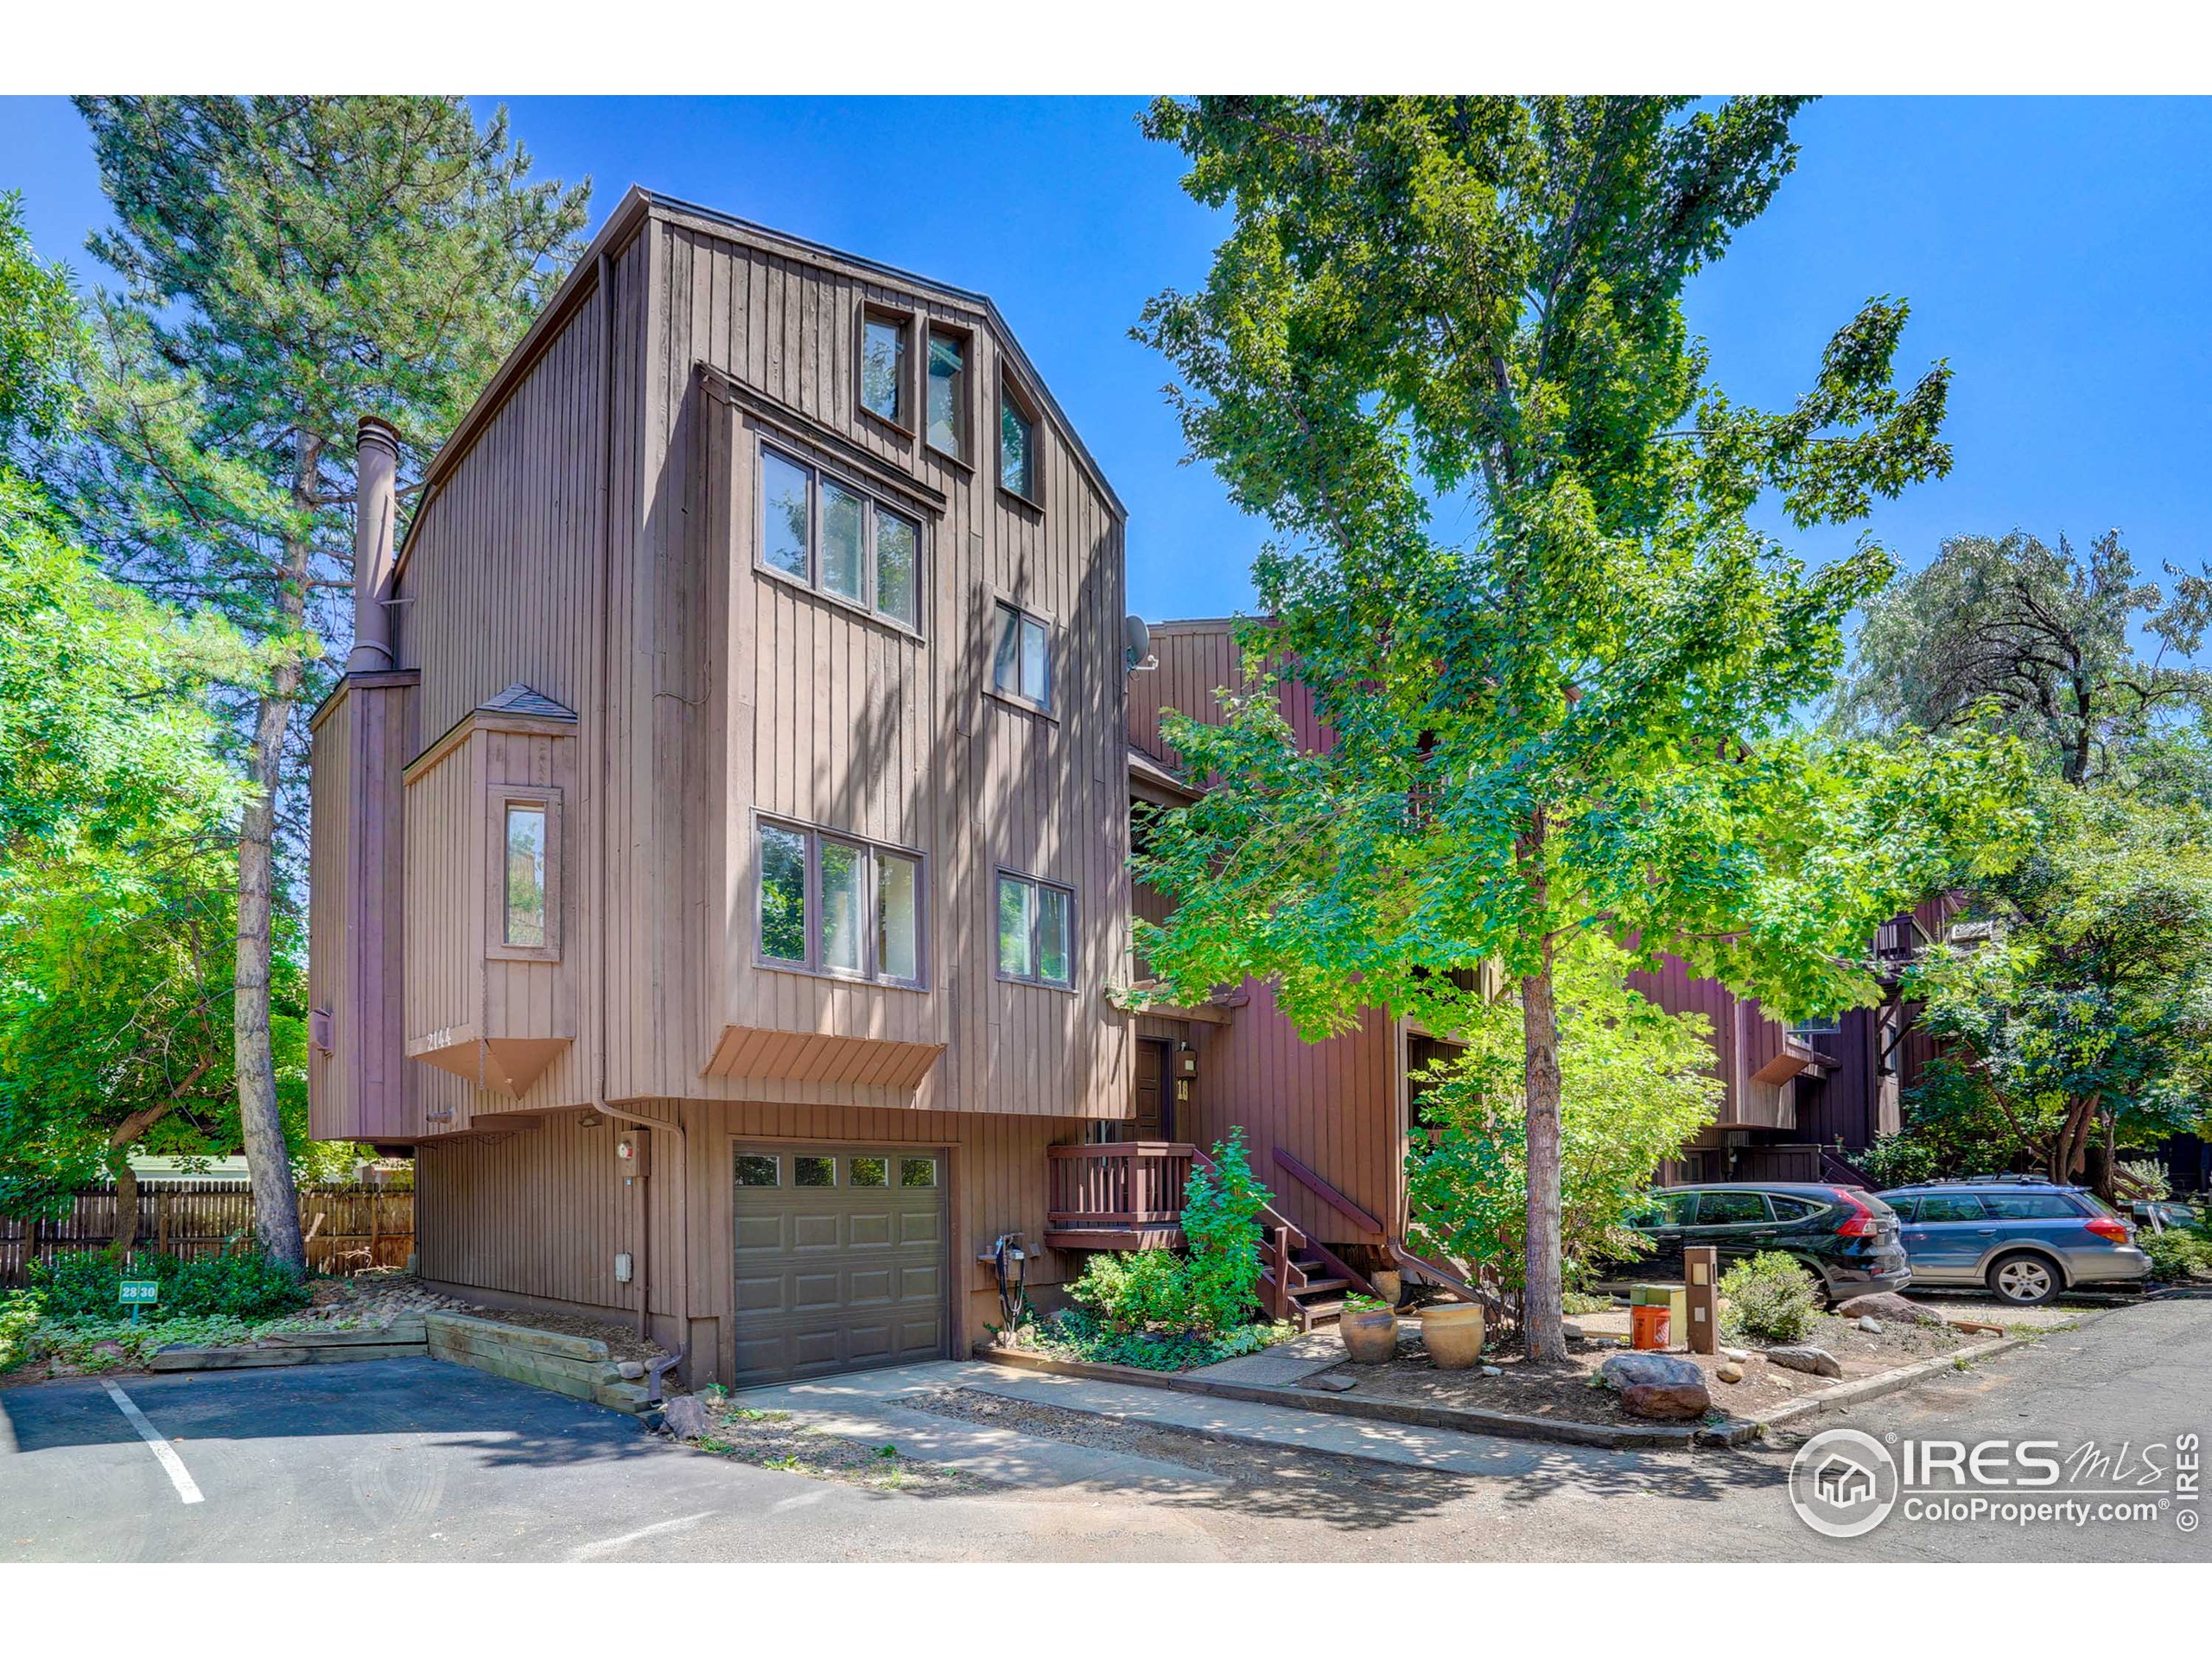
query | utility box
[623, 1269]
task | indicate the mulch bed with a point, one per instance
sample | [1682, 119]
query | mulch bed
[1568, 1390]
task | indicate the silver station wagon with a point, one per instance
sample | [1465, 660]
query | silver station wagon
[2026, 1239]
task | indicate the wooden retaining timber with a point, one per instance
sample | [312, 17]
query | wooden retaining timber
[350, 1229]
[580, 1367]
[402, 1338]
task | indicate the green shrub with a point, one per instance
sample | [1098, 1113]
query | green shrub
[1771, 1297]
[1134, 1292]
[1078, 1333]
[1212, 1287]
[2178, 1253]
[243, 1285]
[19, 1312]
[1221, 1230]
[1585, 1301]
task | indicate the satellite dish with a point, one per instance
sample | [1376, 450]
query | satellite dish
[1137, 644]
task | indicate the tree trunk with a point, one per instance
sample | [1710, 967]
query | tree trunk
[269, 1165]
[126, 1213]
[1542, 1328]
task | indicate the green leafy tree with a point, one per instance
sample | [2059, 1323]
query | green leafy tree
[288, 265]
[1443, 352]
[1636, 1085]
[2084, 1023]
[2011, 633]
[114, 804]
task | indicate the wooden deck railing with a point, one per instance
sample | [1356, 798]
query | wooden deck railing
[1121, 1184]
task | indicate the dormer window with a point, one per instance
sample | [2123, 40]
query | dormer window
[883, 367]
[947, 410]
[1017, 443]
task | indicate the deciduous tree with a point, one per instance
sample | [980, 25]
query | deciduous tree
[1442, 350]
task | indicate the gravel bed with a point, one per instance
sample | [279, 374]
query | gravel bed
[774, 1439]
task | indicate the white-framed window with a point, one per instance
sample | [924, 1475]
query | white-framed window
[1036, 930]
[828, 534]
[1021, 656]
[836, 904]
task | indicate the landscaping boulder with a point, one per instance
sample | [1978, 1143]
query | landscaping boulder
[1729, 1370]
[631, 1369]
[1656, 1385]
[1869, 1324]
[684, 1416]
[1818, 1362]
[1888, 1305]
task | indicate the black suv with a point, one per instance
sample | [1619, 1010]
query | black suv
[1846, 1237]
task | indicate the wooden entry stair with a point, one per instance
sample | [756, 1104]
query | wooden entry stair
[1128, 1195]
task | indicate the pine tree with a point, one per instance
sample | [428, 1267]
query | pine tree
[288, 265]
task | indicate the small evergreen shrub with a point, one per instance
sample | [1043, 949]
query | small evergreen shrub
[1134, 1292]
[1771, 1297]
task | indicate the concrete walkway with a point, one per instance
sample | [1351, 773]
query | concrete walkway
[865, 1405]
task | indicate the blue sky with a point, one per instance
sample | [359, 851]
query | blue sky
[2058, 253]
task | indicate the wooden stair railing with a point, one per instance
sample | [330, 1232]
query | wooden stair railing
[1289, 1290]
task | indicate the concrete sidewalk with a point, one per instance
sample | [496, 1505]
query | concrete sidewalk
[865, 1405]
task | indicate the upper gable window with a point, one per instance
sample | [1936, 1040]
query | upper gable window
[1021, 660]
[883, 366]
[1017, 443]
[948, 393]
[822, 532]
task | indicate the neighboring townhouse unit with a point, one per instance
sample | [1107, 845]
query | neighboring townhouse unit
[1328, 1124]
[719, 836]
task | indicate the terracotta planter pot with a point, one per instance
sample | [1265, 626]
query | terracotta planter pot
[1371, 1335]
[1388, 1285]
[1453, 1336]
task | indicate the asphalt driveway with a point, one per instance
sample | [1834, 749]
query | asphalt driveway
[417, 1460]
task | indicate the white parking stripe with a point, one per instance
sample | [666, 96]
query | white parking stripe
[179, 1477]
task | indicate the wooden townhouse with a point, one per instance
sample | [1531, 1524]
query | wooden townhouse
[719, 876]
[1329, 1123]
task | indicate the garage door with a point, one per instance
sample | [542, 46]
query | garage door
[840, 1260]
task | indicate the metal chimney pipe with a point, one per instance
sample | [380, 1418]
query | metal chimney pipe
[376, 471]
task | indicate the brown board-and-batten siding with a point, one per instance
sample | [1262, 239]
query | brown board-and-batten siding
[539, 1215]
[592, 535]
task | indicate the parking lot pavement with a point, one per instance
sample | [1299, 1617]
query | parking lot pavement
[417, 1460]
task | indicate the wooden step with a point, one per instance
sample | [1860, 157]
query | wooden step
[1315, 1286]
[1315, 1313]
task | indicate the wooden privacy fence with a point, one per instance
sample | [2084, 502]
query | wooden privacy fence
[353, 1228]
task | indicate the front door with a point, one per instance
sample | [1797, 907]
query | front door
[1155, 1115]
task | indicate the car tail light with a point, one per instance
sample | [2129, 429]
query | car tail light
[1859, 1224]
[2109, 1227]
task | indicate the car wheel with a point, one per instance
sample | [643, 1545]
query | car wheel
[2024, 1280]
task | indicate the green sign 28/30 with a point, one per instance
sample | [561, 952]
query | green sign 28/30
[134, 1291]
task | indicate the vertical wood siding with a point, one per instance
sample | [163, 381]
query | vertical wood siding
[542, 1211]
